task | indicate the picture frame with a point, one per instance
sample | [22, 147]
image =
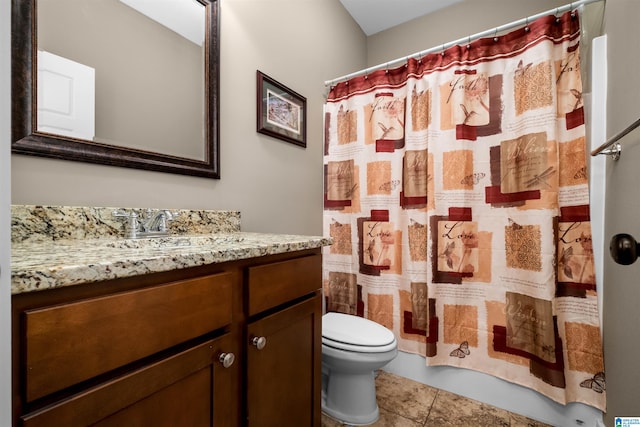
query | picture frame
[281, 112]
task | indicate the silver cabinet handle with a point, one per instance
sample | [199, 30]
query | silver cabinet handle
[259, 342]
[227, 359]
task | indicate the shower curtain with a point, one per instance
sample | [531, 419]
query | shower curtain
[456, 194]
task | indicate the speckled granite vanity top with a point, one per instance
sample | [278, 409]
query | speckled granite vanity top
[53, 247]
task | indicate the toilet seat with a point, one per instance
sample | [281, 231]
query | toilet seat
[352, 333]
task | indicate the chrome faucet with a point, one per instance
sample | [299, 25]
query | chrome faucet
[151, 223]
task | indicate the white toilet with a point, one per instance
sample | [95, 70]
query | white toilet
[352, 349]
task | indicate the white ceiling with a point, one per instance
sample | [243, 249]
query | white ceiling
[184, 18]
[374, 16]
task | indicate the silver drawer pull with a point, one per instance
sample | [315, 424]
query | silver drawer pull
[259, 342]
[227, 359]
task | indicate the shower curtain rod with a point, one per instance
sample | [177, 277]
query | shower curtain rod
[464, 40]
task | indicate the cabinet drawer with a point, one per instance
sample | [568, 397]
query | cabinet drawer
[69, 343]
[277, 283]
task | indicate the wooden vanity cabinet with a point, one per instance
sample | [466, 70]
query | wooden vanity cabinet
[156, 349]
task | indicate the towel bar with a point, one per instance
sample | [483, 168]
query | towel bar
[612, 147]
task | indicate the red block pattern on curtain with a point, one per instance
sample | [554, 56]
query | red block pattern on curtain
[456, 194]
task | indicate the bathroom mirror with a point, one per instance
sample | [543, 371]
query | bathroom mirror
[111, 82]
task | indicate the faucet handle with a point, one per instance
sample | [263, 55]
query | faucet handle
[171, 215]
[166, 216]
[132, 225]
[163, 218]
[120, 213]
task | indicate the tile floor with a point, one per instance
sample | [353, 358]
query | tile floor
[406, 403]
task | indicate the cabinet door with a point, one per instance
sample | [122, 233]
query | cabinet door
[284, 376]
[191, 388]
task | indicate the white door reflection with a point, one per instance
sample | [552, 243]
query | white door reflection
[66, 97]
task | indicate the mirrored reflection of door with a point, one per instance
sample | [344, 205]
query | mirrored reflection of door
[66, 97]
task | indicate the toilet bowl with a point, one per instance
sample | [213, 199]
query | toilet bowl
[352, 349]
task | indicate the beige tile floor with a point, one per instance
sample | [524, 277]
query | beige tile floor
[406, 403]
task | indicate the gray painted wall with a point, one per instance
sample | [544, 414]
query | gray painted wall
[453, 23]
[277, 186]
[5, 201]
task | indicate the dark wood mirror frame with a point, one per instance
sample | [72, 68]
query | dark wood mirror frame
[27, 140]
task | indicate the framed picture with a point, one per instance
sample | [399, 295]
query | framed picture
[282, 113]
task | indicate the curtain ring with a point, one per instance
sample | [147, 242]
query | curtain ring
[387, 68]
[468, 42]
[442, 53]
[526, 28]
[495, 35]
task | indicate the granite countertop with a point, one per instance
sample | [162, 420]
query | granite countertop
[58, 246]
[54, 264]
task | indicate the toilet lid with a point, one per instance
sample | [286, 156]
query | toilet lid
[355, 331]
